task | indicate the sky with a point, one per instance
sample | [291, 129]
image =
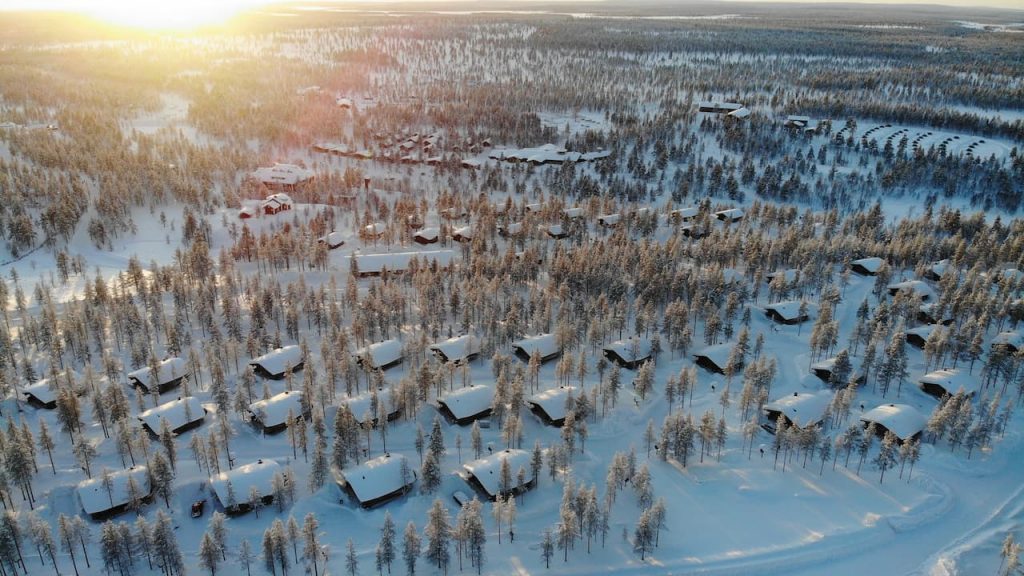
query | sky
[170, 13]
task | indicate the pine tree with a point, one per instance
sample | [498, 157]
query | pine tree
[410, 547]
[438, 535]
[162, 477]
[209, 555]
[430, 474]
[165, 546]
[246, 556]
[167, 439]
[46, 442]
[386, 545]
[643, 535]
[351, 560]
[547, 548]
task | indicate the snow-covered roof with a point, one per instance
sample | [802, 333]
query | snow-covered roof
[174, 412]
[469, 401]
[788, 310]
[554, 230]
[789, 275]
[630, 349]
[871, 264]
[168, 370]
[686, 213]
[720, 105]
[939, 268]
[740, 113]
[287, 174]
[545, 344]
[375, 229]
[553, 401]
[279, 199]
[95, 498]
[923, 331]
[487, 470]
[952, 380]
[916, 287]
[902, 420]
[535, 207]
[42, 391]
[544, 154]
[719, 353]
[463, 232]
[1010, 274]
[280, 360]
[609, 219]
[259, 475]
[400, 261]
[802, 408]
[333, 239]
[930, 310]
[1013, 338]
[381, 353]
[797, 119]
[377, 477]
[729, 214]
[362, 405]
[513, 228]
[458, 348]
[274, 410]
[428, 234]
[573, 213]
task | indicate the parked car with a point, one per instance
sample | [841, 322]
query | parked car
[197, 508]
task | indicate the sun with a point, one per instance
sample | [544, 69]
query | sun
[164, 14]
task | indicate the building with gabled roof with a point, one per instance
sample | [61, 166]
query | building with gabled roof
[485, 474]
[181, 415]
[458, 350]
[332, 240]
[800, 409]
[43, 394]
[714, 358]
[729, 215]
[101, 504]
[915, 287]
[544, 344]
[629, 353]
[276, 363]
[918, 336]
[465, 405]
[904, 421]
[169, 374]
[1013, 340]
[788, 312]
[867, 266]
[399, 262]
[550, 405]
[362, 406]
[944, 382]
[380, 355]
[378, 480]
[426, 236]
[234, 487]
[271, 415]
[282, 175]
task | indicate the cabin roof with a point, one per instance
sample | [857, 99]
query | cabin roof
[376, 477]
[469, 401]
[902, 420]
[487, 470]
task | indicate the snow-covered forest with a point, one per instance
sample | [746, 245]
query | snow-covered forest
[654, 290]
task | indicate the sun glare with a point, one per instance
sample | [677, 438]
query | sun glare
[164, 14]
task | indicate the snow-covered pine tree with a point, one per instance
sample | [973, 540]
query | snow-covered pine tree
[438, 535]
[410, 547]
